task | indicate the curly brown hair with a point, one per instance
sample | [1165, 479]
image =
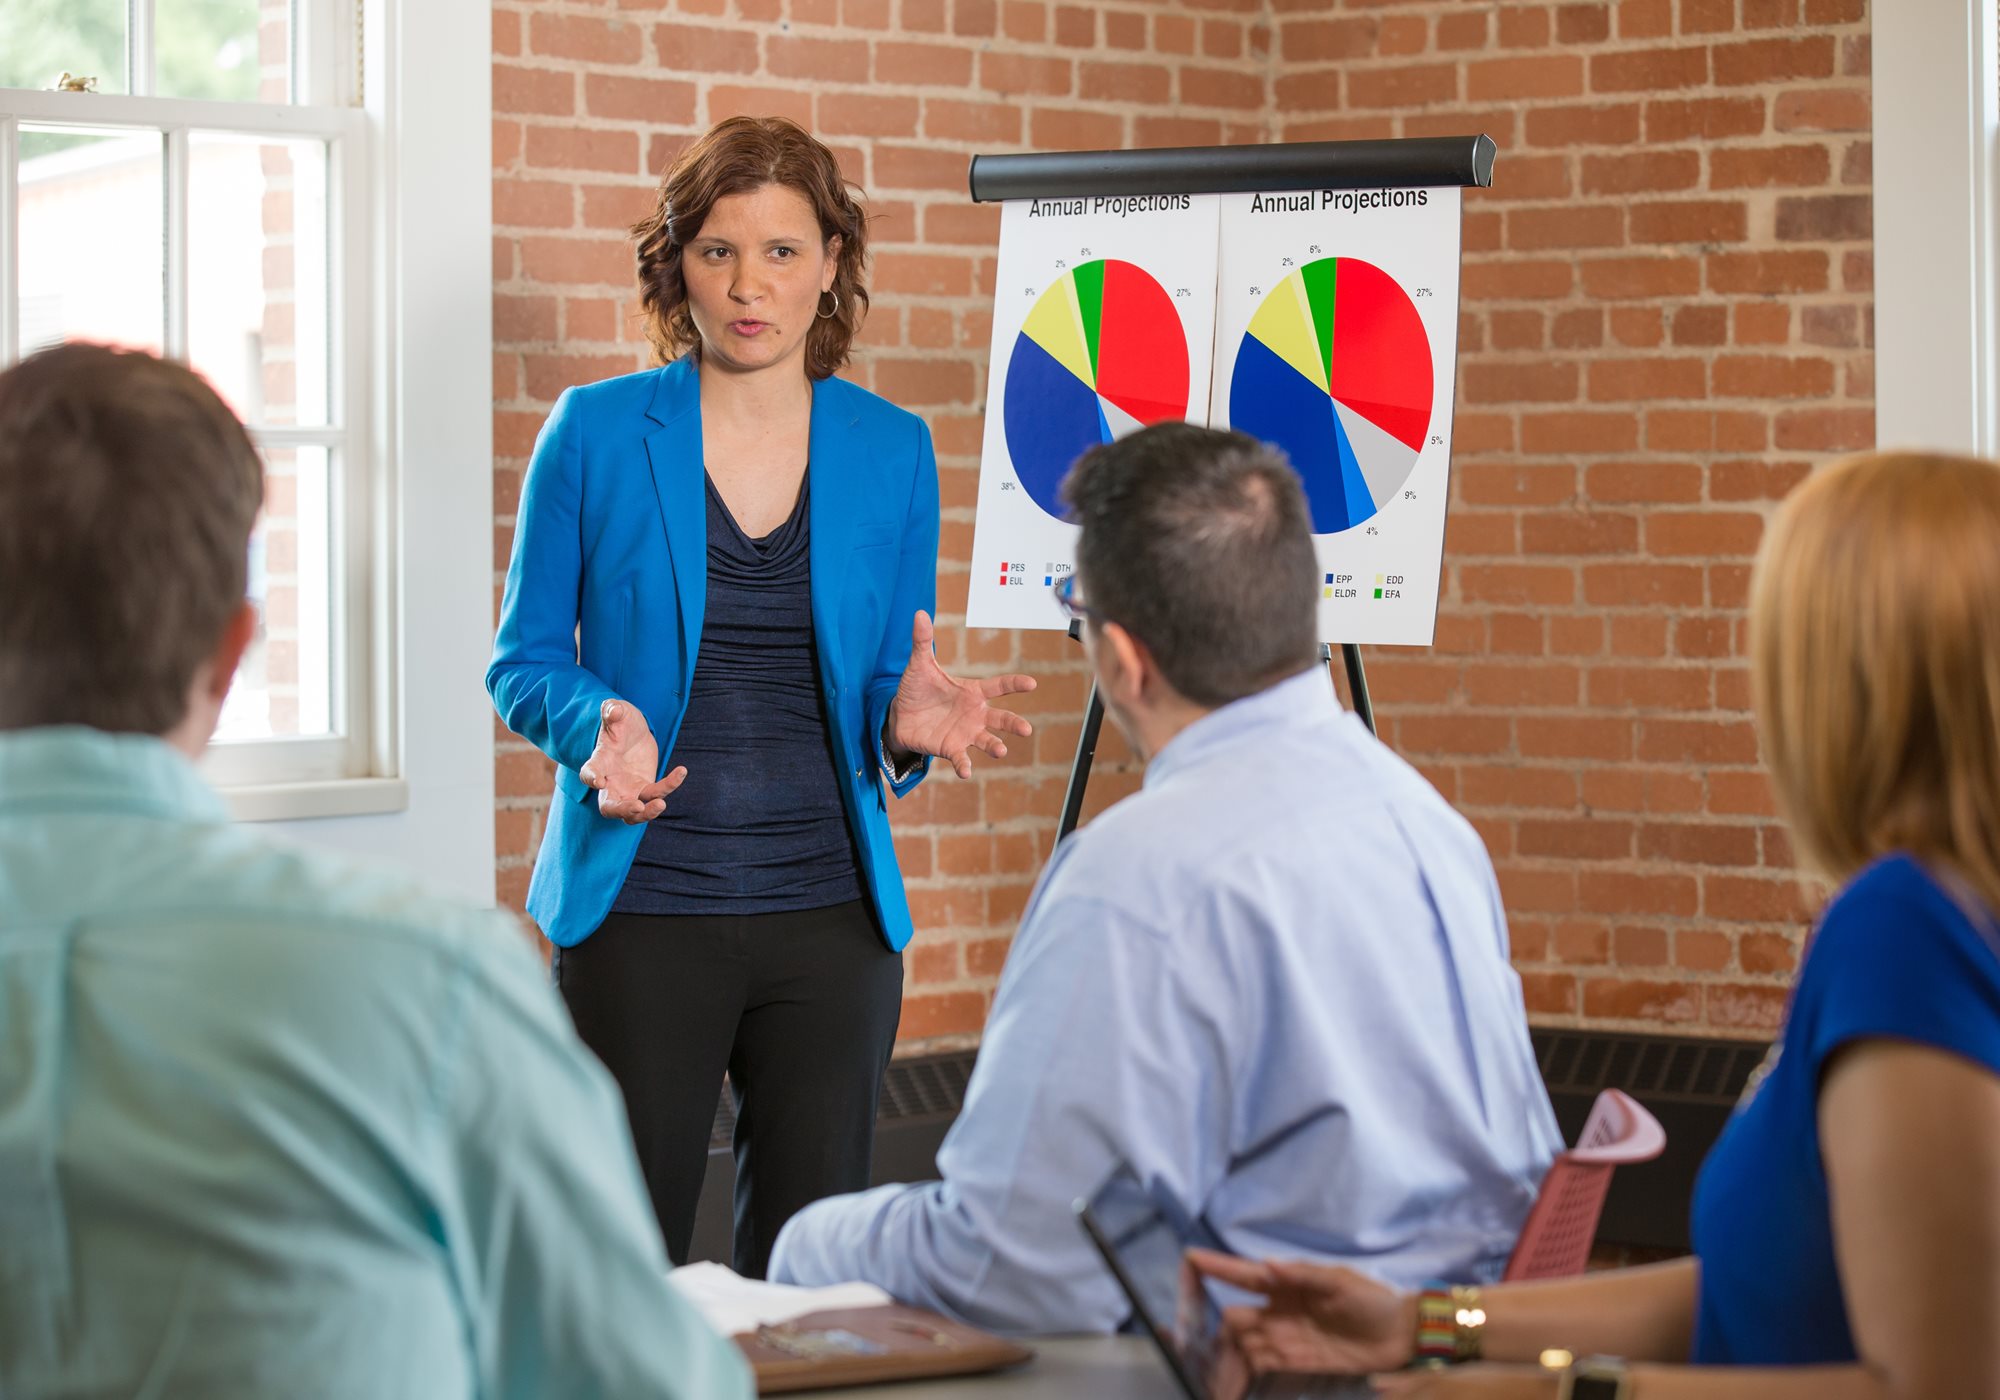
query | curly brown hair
[738, 156]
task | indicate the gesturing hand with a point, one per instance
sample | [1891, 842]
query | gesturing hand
[1316, 1318]
[937, 714]
[622, 765]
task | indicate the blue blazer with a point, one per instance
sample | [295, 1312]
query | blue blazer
[605, 594]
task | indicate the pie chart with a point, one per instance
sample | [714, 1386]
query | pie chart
[1335, 369]
[1101, 354]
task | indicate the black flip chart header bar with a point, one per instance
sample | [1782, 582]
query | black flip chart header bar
[1302, 165]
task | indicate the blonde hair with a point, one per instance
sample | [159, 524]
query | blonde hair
[1875, 665]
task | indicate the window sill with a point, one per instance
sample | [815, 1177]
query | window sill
[346, 797]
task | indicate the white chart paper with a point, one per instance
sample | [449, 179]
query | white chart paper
[1337, 340]
[1103, 322]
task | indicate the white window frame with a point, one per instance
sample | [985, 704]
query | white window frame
[1936, 88]
[353, 768]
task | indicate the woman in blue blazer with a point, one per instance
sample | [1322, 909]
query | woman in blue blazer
[729, 564]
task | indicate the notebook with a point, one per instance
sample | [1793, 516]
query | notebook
[852, 1334]
[861, 1346]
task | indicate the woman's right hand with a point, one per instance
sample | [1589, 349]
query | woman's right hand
[1316, 1318]
[622, 765]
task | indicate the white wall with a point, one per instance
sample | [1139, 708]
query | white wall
[1935, 186]
[428, 91]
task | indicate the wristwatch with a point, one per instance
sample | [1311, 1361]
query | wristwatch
[1595, 1378]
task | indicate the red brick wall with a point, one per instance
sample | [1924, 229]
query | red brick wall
[1666, 322]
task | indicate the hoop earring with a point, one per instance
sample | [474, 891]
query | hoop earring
[829, 315]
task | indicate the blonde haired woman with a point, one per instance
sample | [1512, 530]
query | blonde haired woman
[1847, 1223]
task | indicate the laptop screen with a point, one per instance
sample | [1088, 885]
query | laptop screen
[1142, 1235]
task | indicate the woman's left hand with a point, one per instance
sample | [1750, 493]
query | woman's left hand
[1479, 1381]
[937, 714]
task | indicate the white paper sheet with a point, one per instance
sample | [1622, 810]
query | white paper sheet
[1103, 321]
[1336, 337]
[731, 1303]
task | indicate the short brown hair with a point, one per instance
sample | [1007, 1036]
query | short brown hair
[738, 156]
[1171, 518]
[1875, 664]
[127, 494]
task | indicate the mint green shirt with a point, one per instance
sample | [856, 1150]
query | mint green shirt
[276, 1125]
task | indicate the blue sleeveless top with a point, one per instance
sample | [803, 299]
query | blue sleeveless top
[757, 827]
[1894, 957]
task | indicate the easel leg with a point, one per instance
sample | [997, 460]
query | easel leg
[1357, 684]
[1093, 722]
[1079, 772]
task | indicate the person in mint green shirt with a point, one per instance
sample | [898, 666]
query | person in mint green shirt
[270, 1124]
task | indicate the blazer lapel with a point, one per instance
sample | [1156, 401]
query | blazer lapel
[674, 450]
[831, 472]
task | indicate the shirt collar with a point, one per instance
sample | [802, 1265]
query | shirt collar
[1309, 694]
[82, 769]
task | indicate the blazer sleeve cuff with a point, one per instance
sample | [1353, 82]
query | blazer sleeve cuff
[900, 779]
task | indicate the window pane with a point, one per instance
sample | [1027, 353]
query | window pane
[257, 274]
[233, 50]
[285, 685]
[92, 237]
[40, 40]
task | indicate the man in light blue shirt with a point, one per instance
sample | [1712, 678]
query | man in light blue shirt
[269, 1125]
[1274, 984]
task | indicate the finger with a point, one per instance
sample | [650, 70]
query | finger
[1300, 1273]
[1251, 1275]
[1010, 722]
[652, 809]
[1326, 1281]
[991, 745]
[921, 632]
[996, 686]
[664, 786]
[591, 777]
[1243, 1325]
[1262, 1356]
[961, 763]
[611, 719]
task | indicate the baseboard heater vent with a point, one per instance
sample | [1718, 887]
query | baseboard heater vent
[920, 1087]
[1690, 1083]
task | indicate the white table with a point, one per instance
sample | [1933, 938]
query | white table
[1089, 1368]
[1093, 1368]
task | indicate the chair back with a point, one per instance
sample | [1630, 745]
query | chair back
[1555, 1241]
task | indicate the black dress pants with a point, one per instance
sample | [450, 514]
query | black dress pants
[800, 1008]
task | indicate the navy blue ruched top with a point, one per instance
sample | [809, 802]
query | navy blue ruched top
[757, 827]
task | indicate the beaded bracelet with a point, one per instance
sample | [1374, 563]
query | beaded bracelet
[1449, 1323]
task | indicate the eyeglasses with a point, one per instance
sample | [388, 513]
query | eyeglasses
[1066, 599]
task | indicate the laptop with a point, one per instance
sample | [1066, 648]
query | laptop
[1143, 1235]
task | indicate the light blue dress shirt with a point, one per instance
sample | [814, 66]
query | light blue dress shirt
[1275, 984]
[277, 1126]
